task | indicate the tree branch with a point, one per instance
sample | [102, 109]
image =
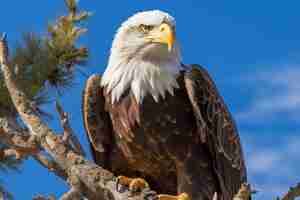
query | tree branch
[97, 183]
[75, 192]
[293, 193]
[39, 197]
[20, 143]
[69, 136]
[51, 165]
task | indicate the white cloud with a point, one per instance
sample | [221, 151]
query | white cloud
[282, 154]
[263, 161]
[271, 191]
[294, 146]
[271, 144]
[272, 162]
[277, 92]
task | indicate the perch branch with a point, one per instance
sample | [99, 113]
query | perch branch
[75, 191]
[97, 183]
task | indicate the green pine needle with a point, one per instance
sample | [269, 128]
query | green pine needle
[46, 63]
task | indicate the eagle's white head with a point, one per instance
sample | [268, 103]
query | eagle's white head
[145, 57]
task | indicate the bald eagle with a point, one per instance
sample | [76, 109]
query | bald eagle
[150, 116]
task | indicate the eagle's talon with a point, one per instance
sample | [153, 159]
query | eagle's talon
[138, 184]
[182, 196]
[134, 184]
[119, 186]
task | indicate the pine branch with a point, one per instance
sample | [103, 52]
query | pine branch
[36, 66]
[43, 64]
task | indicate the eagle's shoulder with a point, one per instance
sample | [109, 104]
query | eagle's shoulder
[96, 120]
[197, 74]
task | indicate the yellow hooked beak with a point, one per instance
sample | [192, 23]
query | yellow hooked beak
[165, 35]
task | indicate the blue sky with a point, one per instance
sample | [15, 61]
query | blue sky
[250, 48]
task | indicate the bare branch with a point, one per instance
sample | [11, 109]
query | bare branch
[97, 183]
[73, 194]
[293, 193]
[43, 198]
[20, 144]
[51, 165]
[4, 50]
[69, 135]
[13, 152]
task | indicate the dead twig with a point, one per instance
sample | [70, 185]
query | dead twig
[21, 145]
[292, 194]
[51, 165]
[39, 197]
[68, 136]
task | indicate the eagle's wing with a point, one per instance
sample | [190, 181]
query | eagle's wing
[216, 129]
[97, 122]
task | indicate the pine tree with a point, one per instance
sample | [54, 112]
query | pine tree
[43, 65]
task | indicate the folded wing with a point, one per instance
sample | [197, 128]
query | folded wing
[217, 130]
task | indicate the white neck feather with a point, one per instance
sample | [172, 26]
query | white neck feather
[153, 74]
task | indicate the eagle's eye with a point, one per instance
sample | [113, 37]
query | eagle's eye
[145, 28]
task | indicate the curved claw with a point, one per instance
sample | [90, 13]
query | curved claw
[134, 184]
[120, 184]
[138, 184]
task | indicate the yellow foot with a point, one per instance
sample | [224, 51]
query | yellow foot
[134, 184]
[182, 196]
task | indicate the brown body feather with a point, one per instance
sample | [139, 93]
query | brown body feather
[184, 143]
